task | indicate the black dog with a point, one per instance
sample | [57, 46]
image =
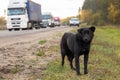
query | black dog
[74, 45]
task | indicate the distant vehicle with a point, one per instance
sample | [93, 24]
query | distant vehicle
[74, 22]
[56, 21]
[47, 19]
[23, 14]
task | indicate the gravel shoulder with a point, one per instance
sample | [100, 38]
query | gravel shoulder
[18, 60]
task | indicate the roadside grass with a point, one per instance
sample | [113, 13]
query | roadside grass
[42, 42]
[15, 70]
[55, 48]
[104, 59]
[1, 78]
[40, 52]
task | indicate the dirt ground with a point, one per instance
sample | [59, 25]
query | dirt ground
[18, 59]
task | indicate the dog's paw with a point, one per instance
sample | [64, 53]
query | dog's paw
[85, 72]
[79, 74]
[73, 68]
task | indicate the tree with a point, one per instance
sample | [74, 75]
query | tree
[98, 12]
[114, 12]
[86, 16]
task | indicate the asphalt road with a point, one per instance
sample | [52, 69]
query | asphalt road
[13, 33]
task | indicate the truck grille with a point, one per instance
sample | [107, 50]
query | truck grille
[16, 25]
[15, 19]
[45, 22]
[15, 22]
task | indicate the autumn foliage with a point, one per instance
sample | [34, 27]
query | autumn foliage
[100, 12]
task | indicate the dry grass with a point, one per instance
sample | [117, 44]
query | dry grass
[2, 23]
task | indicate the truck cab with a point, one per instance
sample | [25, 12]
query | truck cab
[47, 19]
[17, 15]
[56, 21]
[22, 15]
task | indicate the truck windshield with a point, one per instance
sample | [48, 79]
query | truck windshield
[74, 19]
[16, 11]
[46, 16]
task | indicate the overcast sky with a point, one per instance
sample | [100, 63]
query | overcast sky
[61, 8]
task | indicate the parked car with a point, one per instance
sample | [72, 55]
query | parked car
[74, 22]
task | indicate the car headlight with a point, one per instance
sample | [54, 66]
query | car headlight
[8, 24]
[24, 23]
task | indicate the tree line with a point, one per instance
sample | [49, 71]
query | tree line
[101, 12]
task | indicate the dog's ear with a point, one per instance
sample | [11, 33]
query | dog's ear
[80, 31]
[92, 28]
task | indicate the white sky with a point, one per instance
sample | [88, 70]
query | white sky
[61, 8]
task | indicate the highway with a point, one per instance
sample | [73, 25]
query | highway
[6, 33]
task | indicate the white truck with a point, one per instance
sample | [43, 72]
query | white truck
[23, 14]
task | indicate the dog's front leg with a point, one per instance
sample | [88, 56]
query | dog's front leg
[77, 64]
[85, 63]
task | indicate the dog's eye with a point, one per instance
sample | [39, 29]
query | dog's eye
[86, 32]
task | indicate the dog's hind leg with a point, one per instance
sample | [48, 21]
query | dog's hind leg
[70, 58]
[71, 65]
[63, 56]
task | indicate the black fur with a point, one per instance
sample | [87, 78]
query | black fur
[74, 45]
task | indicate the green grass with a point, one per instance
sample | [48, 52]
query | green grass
[42, 42]
[55, 48]
[15, 70]
[40, 52]
[104, 60]
[1, 78]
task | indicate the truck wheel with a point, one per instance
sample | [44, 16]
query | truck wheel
[17, 29]
[38, 26]
[9, 29]
[29, 25]
[24, 28]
